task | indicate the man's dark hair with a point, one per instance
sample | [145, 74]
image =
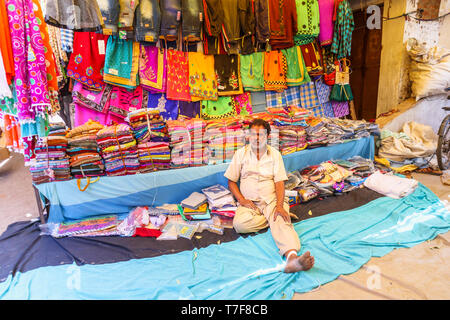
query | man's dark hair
[261, 123]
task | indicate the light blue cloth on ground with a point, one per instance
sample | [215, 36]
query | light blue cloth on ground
[248, 268]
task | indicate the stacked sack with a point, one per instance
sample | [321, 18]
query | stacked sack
[85, 160]
[224, 137]
[152, 137]
[119, 150]
[52, 163]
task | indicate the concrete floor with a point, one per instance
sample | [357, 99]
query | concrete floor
[421, 272]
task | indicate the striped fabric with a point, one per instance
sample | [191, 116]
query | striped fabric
[323, 91]
[328, 110]
[308, 95]
[67, 40]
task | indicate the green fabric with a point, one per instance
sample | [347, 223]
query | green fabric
[307, 21]
[343, 28]
[296, 74]
[222, 108]
[341, 92]
[252, 71]
[8, 105]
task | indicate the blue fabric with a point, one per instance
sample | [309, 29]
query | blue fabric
[275, 99]
[308, 95]
[168, 109]
[248, 268]
[120, 194]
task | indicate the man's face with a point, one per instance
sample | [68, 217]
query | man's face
[258, 137]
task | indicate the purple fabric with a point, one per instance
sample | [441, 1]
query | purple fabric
[340, 109]
[95, 100]
[149, 69]
[83, 115]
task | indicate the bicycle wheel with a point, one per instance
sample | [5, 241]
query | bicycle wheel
[443, 147]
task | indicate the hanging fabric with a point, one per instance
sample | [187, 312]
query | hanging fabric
[79, 15]
[262, 22]
[275, 69]
[202, 78]
[228, 74]
[88, 59]
[283, 23]
[6, 49]
[152, 68]
[109, 9]
[247, 25]
[252, 71]
[177, 75]
[326, 8]
[341, 90]
[297, 73]
[123, 101]
[222, 108]
[307, 21]
[170, 18]
[343, 29]
[313, 58]
[192, 20]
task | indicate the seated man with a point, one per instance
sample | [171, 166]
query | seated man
[262, 203]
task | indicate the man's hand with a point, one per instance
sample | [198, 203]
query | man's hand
[248, 204]
[279, 211]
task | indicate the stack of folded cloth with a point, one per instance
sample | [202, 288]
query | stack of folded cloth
[196, 203]
[316, 133]
[224, 137]
[180, 143]
[52, 163]
[292, 139]
[152, 138]
[196, 129]
[220, 200]
[119, 150]
[85, 160]
[289, 116]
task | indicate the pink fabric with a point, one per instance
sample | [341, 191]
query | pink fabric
[326, 9]
[83, 115]
[123, 101]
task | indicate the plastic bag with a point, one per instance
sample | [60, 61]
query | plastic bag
[137, 218]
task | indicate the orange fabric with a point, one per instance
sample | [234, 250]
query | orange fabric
[12, 132]
[5, 43]
[275, 69]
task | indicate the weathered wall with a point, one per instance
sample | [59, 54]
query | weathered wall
[394, 86]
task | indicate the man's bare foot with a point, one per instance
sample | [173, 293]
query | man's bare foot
[299, 263]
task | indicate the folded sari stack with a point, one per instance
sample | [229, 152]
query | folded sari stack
[119, 150]
[148, 125]
[153, 156]
[292, 139]
[196, 129]
[180, 143]
[223, 138]
[317, 133]
[52, 163]
[85, 160]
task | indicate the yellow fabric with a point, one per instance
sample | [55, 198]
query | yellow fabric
[385, 162]
[202, 78]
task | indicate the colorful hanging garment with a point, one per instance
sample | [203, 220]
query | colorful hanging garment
[326, 22]
[252, 71]
[219, 109]
[30, 73]
[312, 56]
[228, 74]
[192, 22]
[275, 69]
[328, 110]
[148, 20]
[6, 49]
[79, 15]
[202, 78]
[213, 21]
[82, 114]
[12, 133]
[177, 76]
[95, 100]
[230, 27]
[123, 101]
[168, 109]
[343, 29]
[262, 21]
[8, 104]
[109, 10]
[170, 11]
[243, 104]
[289, 97]
[283, 23]
[323, 91]
[308, 95]
[307, 21]
[247, 23]
[297, 73]
[122, 62]
[5, 90]
[340, 109]
[52, 79]
[152, 68]
[88, 59]
[189, 109]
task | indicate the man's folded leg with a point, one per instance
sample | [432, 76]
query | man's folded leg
[247, 220]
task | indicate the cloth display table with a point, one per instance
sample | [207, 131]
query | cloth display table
[118, 195]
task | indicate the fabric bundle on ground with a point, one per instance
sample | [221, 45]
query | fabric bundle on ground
[98, 226]
[85, 160]
[220, 200]
[390, 185]
[224, 137]
[52, 162]
[119, 150]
